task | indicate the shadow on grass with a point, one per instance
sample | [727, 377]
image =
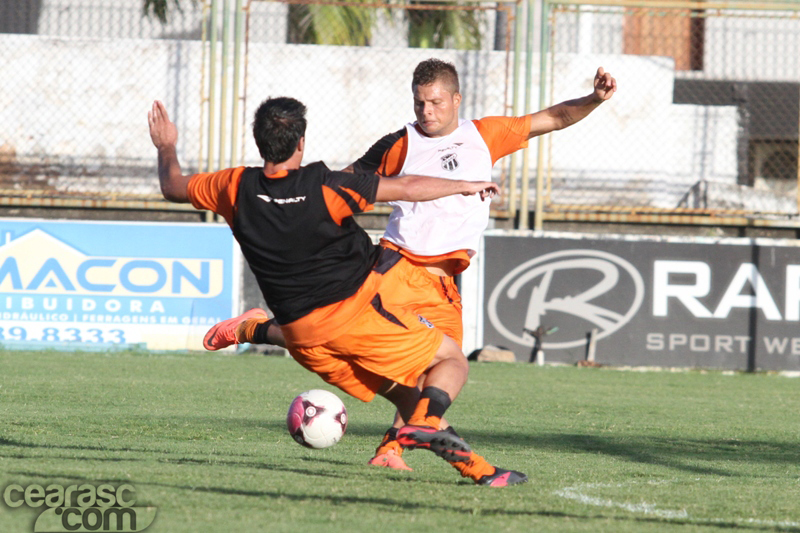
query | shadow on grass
[672, 452]
[402, 506]
[260, 465]
[699, 456]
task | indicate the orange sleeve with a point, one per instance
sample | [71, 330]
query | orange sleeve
[504, 135]
[216, 191]
[385, 157]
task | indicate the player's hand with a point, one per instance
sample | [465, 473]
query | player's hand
[486, 189]
[163, 132]
[604, 85]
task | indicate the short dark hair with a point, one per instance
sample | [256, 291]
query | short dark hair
[278, 126]
[432, 70]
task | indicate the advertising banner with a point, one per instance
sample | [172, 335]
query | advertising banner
[688, 302]
[158, 285]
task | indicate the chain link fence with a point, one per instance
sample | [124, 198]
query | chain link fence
[76, 82]
[357, 94]
[706, 117]
[80, 77]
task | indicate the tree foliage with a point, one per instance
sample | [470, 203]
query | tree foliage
[160, 8]
[326, 24]
[352, 25]
[436, 28]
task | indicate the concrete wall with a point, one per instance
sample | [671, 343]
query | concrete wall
[77, 108]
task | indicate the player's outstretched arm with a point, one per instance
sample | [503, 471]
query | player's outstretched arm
[567, 113]
[414, 188]
[164, 135]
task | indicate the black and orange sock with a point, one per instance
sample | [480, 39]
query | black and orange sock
[432, 404]
[475, 467]
[253, 330]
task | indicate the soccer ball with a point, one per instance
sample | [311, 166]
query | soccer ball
[317, 419]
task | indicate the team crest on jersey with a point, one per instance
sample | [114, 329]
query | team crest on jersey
[425, 321]
[450, 162]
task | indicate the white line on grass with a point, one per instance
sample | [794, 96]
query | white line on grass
[578, 493]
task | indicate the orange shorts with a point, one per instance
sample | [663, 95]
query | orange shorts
[411, 286]
[383, 342]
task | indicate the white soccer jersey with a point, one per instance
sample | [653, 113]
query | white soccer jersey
[454, 222]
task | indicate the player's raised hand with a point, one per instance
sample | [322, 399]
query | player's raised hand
[604, 84]
[486, 189]
[163, 132]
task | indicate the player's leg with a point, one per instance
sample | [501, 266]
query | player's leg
[234, 330]
[482, 472]
[436, 301]
[268, 332]
[254, 327]
[389, 453]
[477, 467]
[444, 378]
[447, 312]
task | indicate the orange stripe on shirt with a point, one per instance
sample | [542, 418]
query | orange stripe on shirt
[363, 204]
[339, 208]
[394, 158]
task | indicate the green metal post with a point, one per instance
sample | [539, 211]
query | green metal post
[525, 186]
[538, 222]
[223, 96]
[512, 171]
[212, 85]
[238, 36]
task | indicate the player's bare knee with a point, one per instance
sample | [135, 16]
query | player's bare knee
[460, 364]
[448, 350]
[450, 353]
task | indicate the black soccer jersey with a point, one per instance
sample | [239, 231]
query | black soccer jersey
[299, 239]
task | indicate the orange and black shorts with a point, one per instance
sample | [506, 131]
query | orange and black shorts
[383, 342]
[411, 286]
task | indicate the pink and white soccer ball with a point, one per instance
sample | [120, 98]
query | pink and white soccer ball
[317, 419]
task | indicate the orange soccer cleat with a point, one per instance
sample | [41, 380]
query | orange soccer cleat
[223, 334]
[389, 459]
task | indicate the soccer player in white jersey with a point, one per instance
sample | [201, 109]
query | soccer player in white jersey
[437, 238]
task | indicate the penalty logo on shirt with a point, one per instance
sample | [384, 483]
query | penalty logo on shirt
[425, 321]
[450, 162]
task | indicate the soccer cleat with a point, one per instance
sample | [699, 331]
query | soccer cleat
[502, 478]
[223, 334]
[443, 443]
[389, 459]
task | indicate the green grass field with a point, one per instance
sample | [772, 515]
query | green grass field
[202, 437]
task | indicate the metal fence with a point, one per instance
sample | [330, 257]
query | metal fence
[357, 94]
[82, 77]
[704, 125]
[76, 82]
[706, 118]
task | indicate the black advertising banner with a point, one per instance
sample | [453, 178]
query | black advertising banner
[708, 303]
